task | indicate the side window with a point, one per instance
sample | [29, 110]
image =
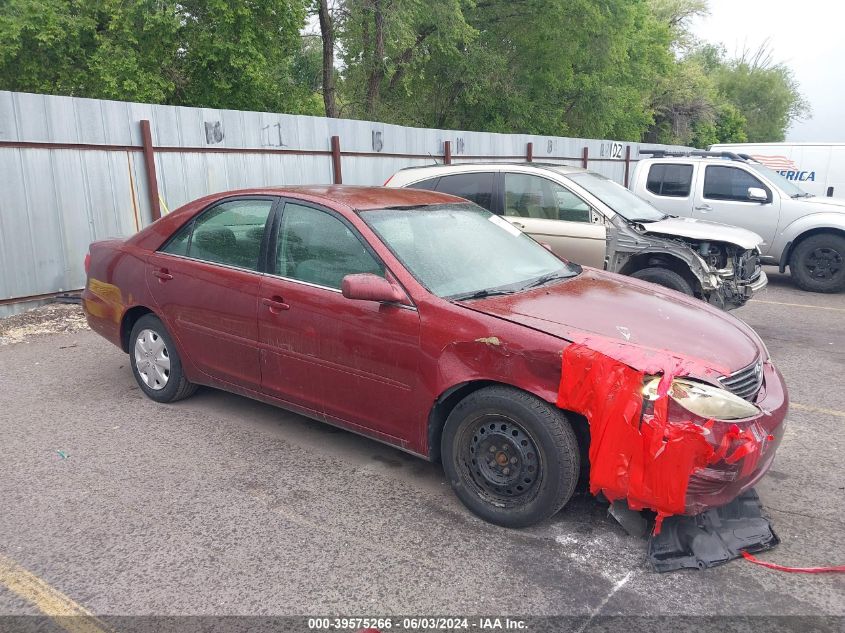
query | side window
[476, 187]
[229, 233]
[530, 196]
[674, 181]
[429, 184]
[729, 183]
[178, 244]
[318, 248]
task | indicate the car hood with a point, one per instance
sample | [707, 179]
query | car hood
[824, 204]
[629, 315]
[705, 231]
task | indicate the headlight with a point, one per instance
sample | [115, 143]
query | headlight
[703, 400]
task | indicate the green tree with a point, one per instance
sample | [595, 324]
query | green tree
[764, 92]
[389, 50]
[573, 67]
[214, 53]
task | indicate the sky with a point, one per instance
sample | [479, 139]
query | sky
[808, 36]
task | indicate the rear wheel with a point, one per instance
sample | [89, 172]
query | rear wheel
[156, 363]
[511, 458]
[664, 277]
[818, 263]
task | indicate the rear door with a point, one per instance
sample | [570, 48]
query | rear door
[205, 281]
[721, 195]
[355, 361]
[669, 187]
[554, 215]
[477, 187]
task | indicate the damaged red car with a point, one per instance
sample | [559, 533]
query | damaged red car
[426, 322]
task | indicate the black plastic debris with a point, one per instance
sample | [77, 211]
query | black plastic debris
[635, 523]
[73, 298]
[713, 537]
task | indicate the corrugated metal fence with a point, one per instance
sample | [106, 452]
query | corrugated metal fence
[77, 170]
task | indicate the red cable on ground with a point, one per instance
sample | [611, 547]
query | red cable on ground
[798, 570]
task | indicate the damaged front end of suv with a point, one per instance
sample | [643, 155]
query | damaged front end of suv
[721, 264]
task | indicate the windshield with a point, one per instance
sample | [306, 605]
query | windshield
[617, 197]
[460, 251]
[789, 188]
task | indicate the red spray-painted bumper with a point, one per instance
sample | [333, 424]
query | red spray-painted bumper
[667, 459]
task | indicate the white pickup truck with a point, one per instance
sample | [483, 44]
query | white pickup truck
[799, 230]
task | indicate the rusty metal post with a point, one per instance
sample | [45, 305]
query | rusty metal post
[627, 163]
[338, 176]
[529, 153]
[447, 153]
[585, 157]
[150, 168]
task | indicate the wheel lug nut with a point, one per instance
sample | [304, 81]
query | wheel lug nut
[492, 449]
[506, 471]
[513, 460]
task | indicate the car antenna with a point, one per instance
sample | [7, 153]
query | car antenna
[433, 158]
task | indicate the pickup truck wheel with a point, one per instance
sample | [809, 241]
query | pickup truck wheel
[511, 458]
[664, 277]
[818, 263]
[156, 363]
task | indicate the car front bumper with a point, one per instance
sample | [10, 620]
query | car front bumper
[749, 448]
[733, 294]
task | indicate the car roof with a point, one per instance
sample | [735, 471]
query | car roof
[432, 171]
[353, 196]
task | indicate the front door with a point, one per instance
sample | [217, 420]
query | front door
[355, 361]
[205, 281]
[552, 214]
[722, 196]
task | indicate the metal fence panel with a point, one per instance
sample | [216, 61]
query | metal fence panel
[73, 170]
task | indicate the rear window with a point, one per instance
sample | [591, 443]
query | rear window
[674, 181]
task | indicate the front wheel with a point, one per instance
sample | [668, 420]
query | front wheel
[818, 263]
[511, 458]
[664, 277]
[156, 363]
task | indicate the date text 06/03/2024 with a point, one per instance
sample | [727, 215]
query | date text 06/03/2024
[378, 625]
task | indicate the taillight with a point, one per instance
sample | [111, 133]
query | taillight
[87, 262]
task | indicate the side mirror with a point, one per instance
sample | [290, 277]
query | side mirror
[369, 287]
[757, 194]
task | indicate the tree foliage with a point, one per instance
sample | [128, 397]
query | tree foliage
[623, 69]
[215, 53]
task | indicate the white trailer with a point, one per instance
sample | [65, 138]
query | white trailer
[818, 168]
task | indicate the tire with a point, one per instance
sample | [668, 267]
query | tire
[156, 363]
[534, 463]
[817, 263]
[664, 277]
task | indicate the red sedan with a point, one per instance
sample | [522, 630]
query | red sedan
[421, 320]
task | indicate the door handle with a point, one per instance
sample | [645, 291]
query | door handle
[518, 225]
[704, 207]
[276, 304]
[162, 274]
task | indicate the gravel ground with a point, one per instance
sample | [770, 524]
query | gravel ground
[222, 505]
[54, 318]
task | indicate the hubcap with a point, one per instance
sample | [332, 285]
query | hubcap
[501, 459]
[152, 359]
[824, 263]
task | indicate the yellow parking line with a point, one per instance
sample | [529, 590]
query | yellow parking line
[796, 305]
[805, 407]
[72, 617]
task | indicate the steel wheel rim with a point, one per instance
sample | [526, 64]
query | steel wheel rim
[501, 460]
[824, 263]
[152, 360]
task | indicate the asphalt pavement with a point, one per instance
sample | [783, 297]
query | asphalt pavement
[219, 505]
